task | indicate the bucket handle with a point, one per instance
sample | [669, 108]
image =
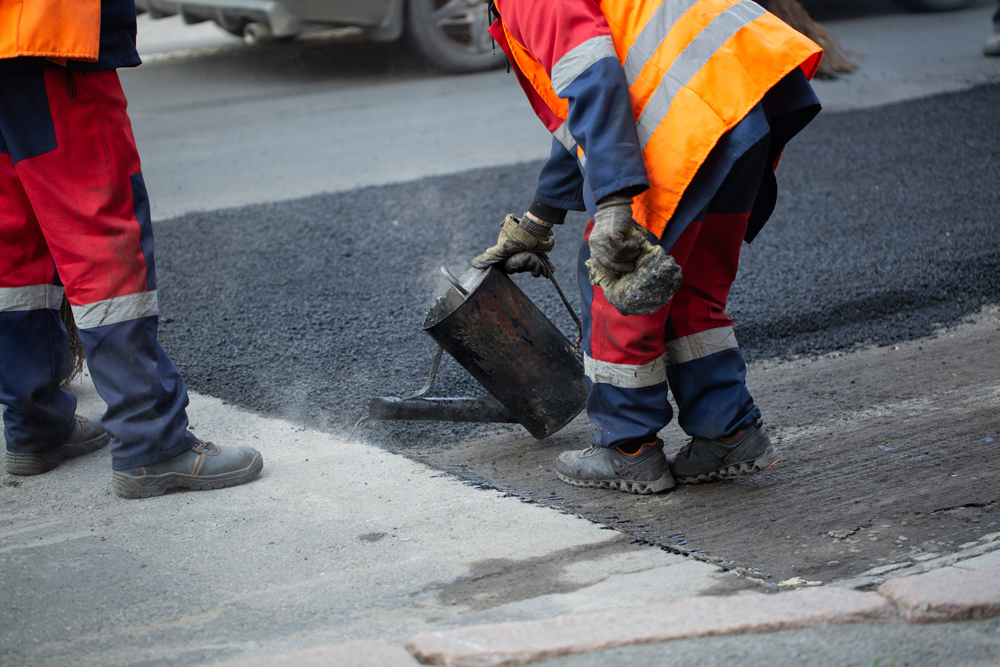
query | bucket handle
[430, 378]
[572, 313]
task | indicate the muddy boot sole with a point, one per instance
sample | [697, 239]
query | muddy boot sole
[36, 464]
[761, 463]
[148, 486]
[628, 486]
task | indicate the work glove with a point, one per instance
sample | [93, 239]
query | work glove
[614, 240]
[521, 247]
[656, 278]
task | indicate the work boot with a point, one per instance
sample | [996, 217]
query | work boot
[646, 471]
[745, 453]
[204, 466]
[87, 437]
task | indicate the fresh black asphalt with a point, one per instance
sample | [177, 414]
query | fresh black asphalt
[886, 227]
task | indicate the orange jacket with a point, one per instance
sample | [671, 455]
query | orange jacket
[54, 29]
[695, 68]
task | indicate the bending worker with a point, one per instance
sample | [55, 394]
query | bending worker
[669, 116]
[74, 220]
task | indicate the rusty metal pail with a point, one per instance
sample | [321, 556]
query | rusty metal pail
[503, 340]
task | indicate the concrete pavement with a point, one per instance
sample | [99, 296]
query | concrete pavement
[335, 541]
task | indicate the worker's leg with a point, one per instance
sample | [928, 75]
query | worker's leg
[90, 201]
[34, 346]
[704, 364]
[625, 366]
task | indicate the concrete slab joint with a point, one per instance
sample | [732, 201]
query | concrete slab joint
[951, 594]
[519, 643]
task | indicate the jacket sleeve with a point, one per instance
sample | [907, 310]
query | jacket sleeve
[560, 186]
[572, 41]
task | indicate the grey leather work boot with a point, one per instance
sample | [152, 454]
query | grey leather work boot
[746, 453]
[87, 437]
[204, 466]
[646, 471]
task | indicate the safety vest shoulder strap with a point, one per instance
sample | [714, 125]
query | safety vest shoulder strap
[56, 29]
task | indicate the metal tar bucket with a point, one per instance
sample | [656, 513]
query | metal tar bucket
[503, 340]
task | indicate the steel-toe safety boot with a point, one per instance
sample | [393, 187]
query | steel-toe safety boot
[87, 437]
[646, 471]
[746, 453]
[204, 466]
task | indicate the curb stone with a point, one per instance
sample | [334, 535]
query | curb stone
[518, 643]
[351, 654]
[951, 594]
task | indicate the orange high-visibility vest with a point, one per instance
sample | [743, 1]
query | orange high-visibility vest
[695, 68]
[55, 29]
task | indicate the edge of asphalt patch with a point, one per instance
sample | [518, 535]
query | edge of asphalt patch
[951, 594]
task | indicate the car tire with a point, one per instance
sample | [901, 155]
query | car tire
[451, 35]
[933, 5]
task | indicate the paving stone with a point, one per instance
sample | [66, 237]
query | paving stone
[351, 654]
[990, 561]
[509, 644]
[951, 594]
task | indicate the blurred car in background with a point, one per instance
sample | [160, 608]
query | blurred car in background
[451, 34]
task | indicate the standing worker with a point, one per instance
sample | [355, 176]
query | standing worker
[669, 116]
[74, 220]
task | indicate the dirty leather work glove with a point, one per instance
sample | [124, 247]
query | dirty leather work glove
[521, 246]
[613, 246]
[656, 278]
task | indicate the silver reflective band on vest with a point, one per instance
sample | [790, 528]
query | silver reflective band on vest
[625, 375]
[691, 60]
[32, 297]
[579, 58]
[700, 345]
[653, 34]
[116, 310]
